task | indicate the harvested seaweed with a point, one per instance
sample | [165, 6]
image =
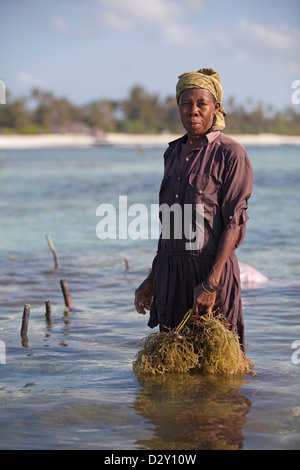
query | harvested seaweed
[165, 352]
[205, 344]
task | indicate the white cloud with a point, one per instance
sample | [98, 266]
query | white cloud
[63, 27]
[178, 35]
[279, 38]
[154, 11]
[164, 17]
[112, 20]
[59, 24]
[194, 5]
[27, 79]
[276, 44]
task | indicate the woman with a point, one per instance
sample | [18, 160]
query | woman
[204, 168]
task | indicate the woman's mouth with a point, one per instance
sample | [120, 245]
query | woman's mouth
[194, 123]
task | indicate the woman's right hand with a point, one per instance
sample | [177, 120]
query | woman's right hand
[203, 301]
[144, 296]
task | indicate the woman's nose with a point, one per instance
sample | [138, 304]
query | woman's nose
[194, 110]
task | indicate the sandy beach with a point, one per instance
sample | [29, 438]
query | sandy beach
[127, 140]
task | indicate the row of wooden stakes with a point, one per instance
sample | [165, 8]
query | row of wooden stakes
[26, 311]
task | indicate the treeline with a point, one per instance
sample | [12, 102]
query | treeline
[141, 112]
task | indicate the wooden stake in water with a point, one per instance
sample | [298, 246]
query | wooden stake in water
[52, 248]
[24, 327]
[48, 311]
[66, 293]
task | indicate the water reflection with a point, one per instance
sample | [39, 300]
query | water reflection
[193, 412]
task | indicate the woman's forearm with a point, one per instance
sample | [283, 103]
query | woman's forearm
[205, 294]
[226, 246]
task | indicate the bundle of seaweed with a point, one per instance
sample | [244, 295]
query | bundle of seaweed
[205, 344]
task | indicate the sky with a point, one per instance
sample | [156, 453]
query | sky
[87, 50]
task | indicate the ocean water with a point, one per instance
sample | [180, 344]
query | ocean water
[71, 386]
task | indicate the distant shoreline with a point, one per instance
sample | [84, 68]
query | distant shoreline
[127, 140]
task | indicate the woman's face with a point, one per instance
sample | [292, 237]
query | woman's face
[197, 109]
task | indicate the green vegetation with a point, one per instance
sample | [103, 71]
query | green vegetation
[141, 112]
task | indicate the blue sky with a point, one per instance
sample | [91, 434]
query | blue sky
[97, 49]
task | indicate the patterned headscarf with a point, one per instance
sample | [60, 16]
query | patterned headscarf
[211, 81]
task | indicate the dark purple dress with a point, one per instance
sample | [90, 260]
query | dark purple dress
[216, 176]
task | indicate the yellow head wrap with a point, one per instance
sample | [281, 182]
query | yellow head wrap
[211, 81]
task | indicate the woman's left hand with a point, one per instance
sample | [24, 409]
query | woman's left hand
[203, 302]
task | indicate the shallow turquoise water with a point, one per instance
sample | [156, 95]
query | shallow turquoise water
[73, 386]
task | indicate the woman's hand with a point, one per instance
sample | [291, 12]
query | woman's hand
[144, 296]
[203, 302]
